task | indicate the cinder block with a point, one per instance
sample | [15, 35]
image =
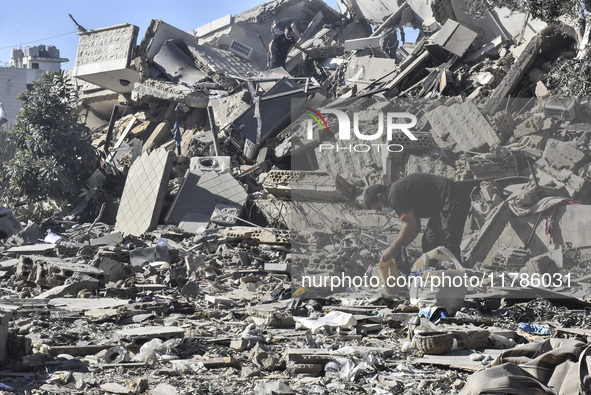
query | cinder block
[563, 155]
[465, 124]
[308, 185]
[138, 336]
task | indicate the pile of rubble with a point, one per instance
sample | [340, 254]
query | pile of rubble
[182, 270]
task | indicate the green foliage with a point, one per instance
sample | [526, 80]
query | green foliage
[545, 10]
[35, 211]
[53, 156]
[570, 78]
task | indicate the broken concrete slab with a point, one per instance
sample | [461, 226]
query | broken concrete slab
[276, 267]
[260, 235]
[563, 155]
[104, 57]
[459, 359]
[429, 164]
[486, 166]
[114, 270]
[362, 43]
[466, 125]
[365, 70]
[203, 164]
[304, 185]
[164, 90]
[512, 78]
[115, 237]
[454, 38]
[214, 26]
[271, 315]
[264, 358]
[199, 194]
[512, 258]
[77, 285]
[157, 33]
[227, 108]
[81, 304]
[176, 65]
[143, 194]
[33, 249]
[221, 65]
[137, 336]
[267, 117]
[209, 362]
[373, 11]
[8, 223]
[541, 265]
[52, 272]
[140, 257]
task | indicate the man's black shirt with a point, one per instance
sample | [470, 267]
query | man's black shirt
[282, 45]
[426, 194]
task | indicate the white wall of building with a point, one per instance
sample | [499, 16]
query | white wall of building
[13, 81]
[27, 66]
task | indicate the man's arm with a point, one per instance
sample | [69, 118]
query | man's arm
[298, 46]
[410, 229]
[272, 48]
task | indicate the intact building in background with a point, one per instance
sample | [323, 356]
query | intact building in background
[27, 66]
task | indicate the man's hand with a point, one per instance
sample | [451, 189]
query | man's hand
[388, 254]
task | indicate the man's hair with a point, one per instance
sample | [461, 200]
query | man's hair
[370, 196]
[288, 28]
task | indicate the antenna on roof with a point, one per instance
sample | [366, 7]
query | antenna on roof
[80, 27]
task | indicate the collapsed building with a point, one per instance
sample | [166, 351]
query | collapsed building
[218, 194]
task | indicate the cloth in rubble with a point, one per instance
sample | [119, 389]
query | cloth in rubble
[530, 200]
[552, 367]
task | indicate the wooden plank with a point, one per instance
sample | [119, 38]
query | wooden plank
[459, 359]
[121, 139]
[78, 351]
[513, 77]
[35, 248]
[407, 71]
[218, 362]
[573, 331]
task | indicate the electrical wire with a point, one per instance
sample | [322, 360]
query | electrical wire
[35, 41]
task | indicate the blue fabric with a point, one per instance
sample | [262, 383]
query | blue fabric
[177, 130]
[534, 328]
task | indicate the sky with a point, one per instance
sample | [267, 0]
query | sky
[33, 22]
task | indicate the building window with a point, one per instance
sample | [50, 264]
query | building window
[34, 65]
[29, 87]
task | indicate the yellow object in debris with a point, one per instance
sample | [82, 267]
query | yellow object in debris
[300, 291]
[389, 274]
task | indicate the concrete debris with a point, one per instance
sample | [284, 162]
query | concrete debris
[224, 245]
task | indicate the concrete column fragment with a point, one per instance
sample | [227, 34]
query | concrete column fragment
[143, 194]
